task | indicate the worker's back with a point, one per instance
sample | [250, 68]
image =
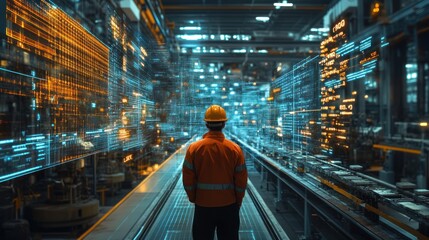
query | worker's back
[215, 160]
[215, 179]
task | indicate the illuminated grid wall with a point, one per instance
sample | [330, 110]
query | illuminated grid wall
[64, 95]
[130, 89]
[349, 87]
[206, 84]
[186, 104]
[254, 110]
[233, 100]
[296, 107]
[55, 81]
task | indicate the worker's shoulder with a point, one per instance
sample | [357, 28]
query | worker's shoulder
[196, 143]
[232, 144]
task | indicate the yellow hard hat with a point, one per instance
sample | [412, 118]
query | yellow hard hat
[215, 113]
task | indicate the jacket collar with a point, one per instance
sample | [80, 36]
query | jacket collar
[214, 134]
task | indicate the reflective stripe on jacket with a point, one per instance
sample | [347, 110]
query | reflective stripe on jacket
[214, 171]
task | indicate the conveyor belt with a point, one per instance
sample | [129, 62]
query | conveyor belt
[336, 201]
[175, 219]
[158, 208]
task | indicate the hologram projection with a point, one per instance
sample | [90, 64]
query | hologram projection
[64, 94]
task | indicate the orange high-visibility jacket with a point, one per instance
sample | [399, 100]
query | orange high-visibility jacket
[214, 171]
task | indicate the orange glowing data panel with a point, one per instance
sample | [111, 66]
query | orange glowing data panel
[53, 88]
[333, 82]
[350, 78]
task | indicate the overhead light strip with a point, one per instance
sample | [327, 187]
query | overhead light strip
[190, 28]
[262, 19]
[283, 4]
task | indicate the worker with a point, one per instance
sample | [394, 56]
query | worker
[215, 180]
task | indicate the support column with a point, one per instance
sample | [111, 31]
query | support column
[307, 217]
[266, 180]
[422, 173]
[384, 93]
[388, 7]
[279, 193]
[94, 174]
[422, 72]
[422, 56]
[387, 174]
[360, 16]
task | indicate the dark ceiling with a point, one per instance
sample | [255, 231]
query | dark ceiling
[283, 32]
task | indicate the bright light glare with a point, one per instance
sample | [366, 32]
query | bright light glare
[239, 51]
[190, 28]
[283, 4]
[192, 37]
[319, 29]
[262, 19]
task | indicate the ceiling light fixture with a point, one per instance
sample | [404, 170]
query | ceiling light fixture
[262, 19]
[190, 28]
[282, 4]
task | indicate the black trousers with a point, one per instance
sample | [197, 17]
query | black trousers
[224, 220]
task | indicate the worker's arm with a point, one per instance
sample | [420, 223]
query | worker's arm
[189, 177]
[240, 178]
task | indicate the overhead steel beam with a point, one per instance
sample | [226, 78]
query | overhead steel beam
[251, 57]
[227, 7]
[245, 44]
